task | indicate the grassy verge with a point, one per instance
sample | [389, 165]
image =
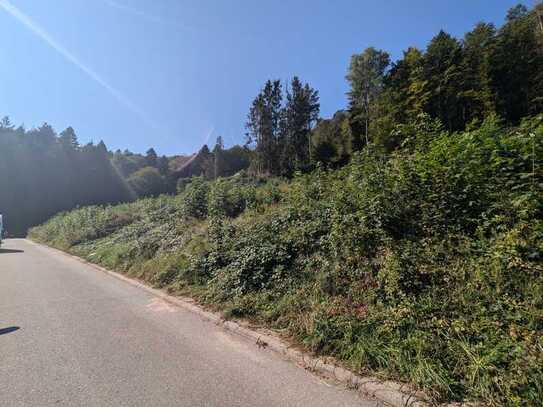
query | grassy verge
[423, 266]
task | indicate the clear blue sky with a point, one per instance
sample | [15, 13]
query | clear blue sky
[166, 73]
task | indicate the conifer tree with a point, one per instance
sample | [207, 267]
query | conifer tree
[263, 124]
[68, 139]
[151, 158]
[299, 114]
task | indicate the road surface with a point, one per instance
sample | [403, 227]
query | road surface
[72, 336]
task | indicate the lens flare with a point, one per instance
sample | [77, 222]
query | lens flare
[44, 35]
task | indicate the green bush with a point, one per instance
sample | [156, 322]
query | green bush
[147, 182]
[228, 197]
[195, 198]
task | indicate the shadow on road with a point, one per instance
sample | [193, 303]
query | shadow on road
[8, 330]
[6, 251]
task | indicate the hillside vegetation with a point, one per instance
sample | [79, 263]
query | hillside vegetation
[422, 265]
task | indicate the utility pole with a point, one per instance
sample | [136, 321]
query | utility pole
[539, 12]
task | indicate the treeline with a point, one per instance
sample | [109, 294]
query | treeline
[151, 175]
[211, 164]
[458, 82]
[42, 173]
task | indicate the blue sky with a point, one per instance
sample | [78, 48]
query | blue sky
[173, 74]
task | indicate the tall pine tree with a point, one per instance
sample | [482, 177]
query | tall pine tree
[263, 125]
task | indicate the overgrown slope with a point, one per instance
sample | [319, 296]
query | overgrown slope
[424, 266]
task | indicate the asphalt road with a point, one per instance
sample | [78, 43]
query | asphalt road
[72, 336]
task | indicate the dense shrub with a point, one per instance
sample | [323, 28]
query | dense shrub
[195, 198]
[228, 198]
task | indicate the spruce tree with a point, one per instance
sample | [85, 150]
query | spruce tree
[263, 127]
